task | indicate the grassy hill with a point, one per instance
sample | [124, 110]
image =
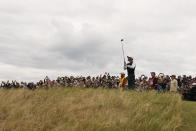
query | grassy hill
[94, 109]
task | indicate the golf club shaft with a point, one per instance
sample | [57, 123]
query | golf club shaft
[123, 51]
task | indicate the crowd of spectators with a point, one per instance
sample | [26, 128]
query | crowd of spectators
[164, 82]
[161, 82]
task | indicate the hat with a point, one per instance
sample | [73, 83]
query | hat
[122, 73]
[130, 57]
[152, 73]
[173, 76]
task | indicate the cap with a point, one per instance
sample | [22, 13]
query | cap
[130, 57]
[172, 76]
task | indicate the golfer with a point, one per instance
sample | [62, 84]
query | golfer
[130, 67]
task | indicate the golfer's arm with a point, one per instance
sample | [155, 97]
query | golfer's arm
[125, 67]
[131, 66]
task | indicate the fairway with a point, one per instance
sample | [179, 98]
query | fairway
[70, 109]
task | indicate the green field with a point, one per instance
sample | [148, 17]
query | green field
[189, 116]
[71, 109]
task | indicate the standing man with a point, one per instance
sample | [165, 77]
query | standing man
[130, 67]
[173, 84]
[153, 81]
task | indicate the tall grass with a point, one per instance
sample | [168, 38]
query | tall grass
[74, 109]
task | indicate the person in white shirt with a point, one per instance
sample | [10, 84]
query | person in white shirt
[173, 84]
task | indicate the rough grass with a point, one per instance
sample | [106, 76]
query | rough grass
[74, 109]
[189, 116]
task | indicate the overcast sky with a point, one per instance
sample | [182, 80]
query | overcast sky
[82, 37]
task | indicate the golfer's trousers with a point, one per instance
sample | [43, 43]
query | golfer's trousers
[131, 82]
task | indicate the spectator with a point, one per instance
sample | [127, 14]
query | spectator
[153, 81]
[173, 84]
[123, 81]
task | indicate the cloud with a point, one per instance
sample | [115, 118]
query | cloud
[72, 37]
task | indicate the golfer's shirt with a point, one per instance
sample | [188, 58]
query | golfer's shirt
[130, 67]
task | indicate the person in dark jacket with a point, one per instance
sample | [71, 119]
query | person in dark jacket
[130, 67]
[153, 81]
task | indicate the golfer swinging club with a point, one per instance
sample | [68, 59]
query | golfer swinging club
[130, 67]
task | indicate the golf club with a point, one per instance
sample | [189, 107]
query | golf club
[123, 49]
